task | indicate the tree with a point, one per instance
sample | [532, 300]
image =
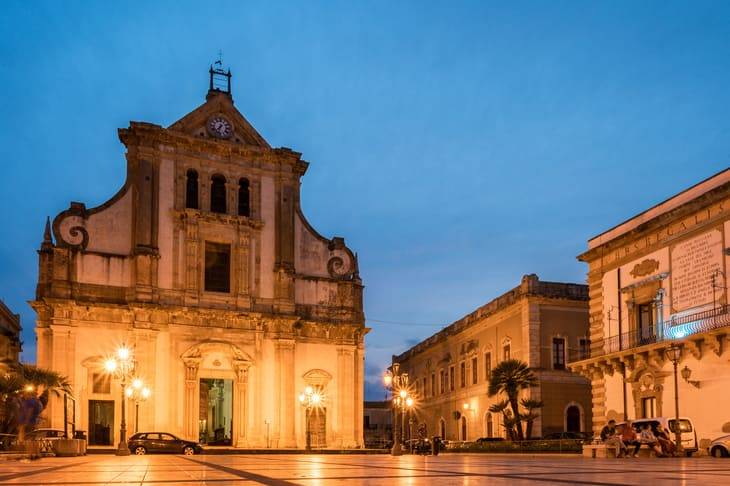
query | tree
[22, 378]
[531, 405]
[507, 420]
[509, 377]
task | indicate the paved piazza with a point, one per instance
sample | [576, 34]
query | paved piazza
[283, 470]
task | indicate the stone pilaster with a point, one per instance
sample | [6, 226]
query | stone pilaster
[284, 351]
[346, 395]
[191, 398]
[240, 401]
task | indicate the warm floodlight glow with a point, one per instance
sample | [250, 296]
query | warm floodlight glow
[302, 397]
[29, 388]
[137, 383]
[466, 406]
[129, 392]
[123, 353]
[403, 393]
[110, 365]
[409, 402]
[308, 390]
[387, 378]
[146, 392]
[316, 398]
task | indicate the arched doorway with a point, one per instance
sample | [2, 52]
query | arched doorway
[488, 425]
[572, 419]
[442, 428]
[463, 428]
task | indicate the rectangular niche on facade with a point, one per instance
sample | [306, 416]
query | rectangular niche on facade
[217, 267]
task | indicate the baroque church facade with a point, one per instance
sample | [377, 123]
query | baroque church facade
[205, 267]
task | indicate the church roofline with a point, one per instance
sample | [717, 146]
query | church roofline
[531, 286]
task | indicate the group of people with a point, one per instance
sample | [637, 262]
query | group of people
[654, 436]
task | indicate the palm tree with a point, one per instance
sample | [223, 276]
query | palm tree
[531, 405]
[507, 421]
[19, 378]
[509, 377]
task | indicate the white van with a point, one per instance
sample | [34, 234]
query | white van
[688, 435]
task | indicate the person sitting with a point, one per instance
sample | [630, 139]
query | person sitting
[610, 437]
[668, 447]
[647, 437]
[629, 438]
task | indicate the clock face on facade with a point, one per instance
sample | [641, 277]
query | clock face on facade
[220, 127]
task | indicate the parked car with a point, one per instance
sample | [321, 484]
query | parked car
[7, 441]
[483, 440]
[144, 442]
[44, 433]
[582, 436]
[688, 435]
[720, 447]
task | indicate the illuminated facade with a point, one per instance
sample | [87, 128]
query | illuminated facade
[9, 336]
[541, 323]
[657, 279]
[204, 265]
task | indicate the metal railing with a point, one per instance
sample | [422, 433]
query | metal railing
[674, 328]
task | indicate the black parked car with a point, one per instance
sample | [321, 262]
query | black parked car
[145, 442]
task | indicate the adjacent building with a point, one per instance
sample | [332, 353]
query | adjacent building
[204, 265]
[541, 323]
[10, 346]
[378, 424]
[658, 280]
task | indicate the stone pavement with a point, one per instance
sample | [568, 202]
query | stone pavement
[285, 470]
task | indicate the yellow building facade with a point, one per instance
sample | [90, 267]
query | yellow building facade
[205, 267]
[658, 280]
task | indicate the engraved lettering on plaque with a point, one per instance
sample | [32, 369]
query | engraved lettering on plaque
[693, 263]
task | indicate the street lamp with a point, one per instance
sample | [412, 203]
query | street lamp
[309, 399]
[397, 383]
[674, 354]
[139, 393]
[122, 367]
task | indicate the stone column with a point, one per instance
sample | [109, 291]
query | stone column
[531, 352]
[284, 349]
[191, 398]
[240, 402]
[346, 396]
[360, 393]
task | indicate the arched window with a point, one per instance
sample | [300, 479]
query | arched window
[463, 428]
[191, 190]
[218, 194]
[489, 425]
[572, 419]
[442, 428]
[244, 206]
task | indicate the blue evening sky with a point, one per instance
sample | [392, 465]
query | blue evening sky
[455, 145]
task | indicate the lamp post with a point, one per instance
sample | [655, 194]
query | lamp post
[674, 354]
[139, 393]
[309, 399]
[397, 383]
[122, 367]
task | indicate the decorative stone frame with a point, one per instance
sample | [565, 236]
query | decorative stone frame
[647, 382]
[566, 344]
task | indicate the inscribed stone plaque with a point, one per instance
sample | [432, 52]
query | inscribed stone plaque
[693, 263]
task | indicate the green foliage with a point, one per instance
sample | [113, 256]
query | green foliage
[509, 377]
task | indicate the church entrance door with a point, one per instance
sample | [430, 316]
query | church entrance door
[215, 416]
[101, 422]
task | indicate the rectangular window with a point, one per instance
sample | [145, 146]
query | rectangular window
[487, 366]
[102, 383]
[452, 378]
[462, 369]
[433, 384]
[442, 375]
[558, 353]
[217, 267]
[584, 348]
[474, 371]
[506, 352]
[423, 387]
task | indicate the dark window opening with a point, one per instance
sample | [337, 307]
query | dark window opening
[217, 267]
[487, 366]
[474, 371]
[452, 378]
[218, 194]
[244, 206]
[433, 384]
[191, 190]
[462, 372]
[585, 348]
[506, 352]
[558, 353]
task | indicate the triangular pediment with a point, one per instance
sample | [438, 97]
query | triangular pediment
[219, 104]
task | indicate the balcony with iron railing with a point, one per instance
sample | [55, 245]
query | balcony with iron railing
[673, 329]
